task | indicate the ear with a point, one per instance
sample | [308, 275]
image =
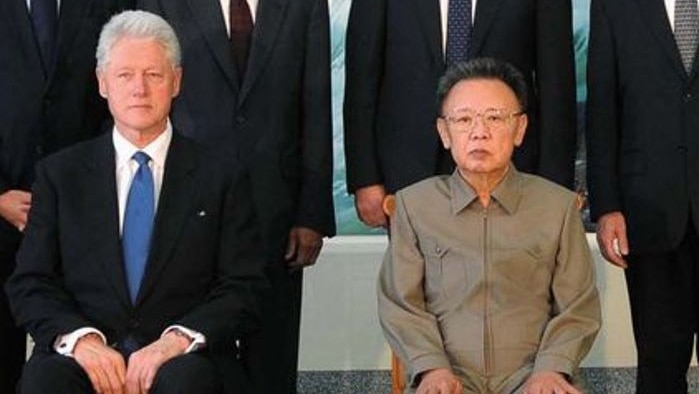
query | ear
[177, 81]
[102, 83]
[443, 133]
[522, 123]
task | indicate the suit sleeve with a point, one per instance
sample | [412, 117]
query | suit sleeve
[602, 116]
[231, 308]
[555, 80]
[363, 67]
[315, 207]
[36, 291]
[409, 328]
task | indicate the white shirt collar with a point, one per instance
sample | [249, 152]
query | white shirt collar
[157, 149]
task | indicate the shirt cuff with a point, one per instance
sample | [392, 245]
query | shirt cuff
[198, 339]
[65, 344]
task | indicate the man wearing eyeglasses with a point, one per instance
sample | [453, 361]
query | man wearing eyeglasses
[488, 284]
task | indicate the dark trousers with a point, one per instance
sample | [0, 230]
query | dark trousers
[271, 354]
[57, 374]
[663, 291]
[13, 340]
[13, 348]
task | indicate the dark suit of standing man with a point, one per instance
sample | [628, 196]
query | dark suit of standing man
[272, 113]
[137, 276]
[643, 174]
[396, 54]
[47, 102]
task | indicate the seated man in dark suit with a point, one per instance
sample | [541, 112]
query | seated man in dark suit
[139, 267]
[488, 284]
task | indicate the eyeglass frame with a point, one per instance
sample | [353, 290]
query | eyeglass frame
[482, 116]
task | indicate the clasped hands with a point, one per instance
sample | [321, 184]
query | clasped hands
[443, 381]
[107, 368]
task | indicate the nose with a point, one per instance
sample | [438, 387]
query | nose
[139, 85]
[480, 130]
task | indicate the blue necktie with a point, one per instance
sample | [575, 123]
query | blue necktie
[138, 223]
[44, 15]
[459, 31]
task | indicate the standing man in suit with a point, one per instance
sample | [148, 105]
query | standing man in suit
[48, 100]
[139, 268]
[396, 52]
[257, 84]
[643, 163]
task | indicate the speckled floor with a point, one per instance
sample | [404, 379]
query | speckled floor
[595, 381]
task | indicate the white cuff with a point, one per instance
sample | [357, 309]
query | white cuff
[198, 339]
[65, 344]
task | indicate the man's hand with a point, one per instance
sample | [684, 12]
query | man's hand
[368, 201]
[303, 247]
[547, 382]
[611, 238]
[144, 364]
[104, 366]
[14, 207]
[439, 381]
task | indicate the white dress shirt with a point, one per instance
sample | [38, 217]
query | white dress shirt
[225, 7]
[126, 168]
[444, 13]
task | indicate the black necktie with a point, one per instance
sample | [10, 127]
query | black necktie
[459, 30]
[44, 15]
[241, 33]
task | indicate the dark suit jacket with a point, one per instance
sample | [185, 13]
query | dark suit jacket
[43, 112]
[203, 272]
[394, 60]
[643, 124]
[277, 120]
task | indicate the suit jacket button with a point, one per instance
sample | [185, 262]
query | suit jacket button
[687, 97]
[133, 324]
[240, 119]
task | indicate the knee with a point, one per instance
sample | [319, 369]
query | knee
[190, 373]
[53, 373]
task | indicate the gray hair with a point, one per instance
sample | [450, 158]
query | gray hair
[137, 24]
[483, 68]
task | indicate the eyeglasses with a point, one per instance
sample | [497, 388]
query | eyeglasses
[493, 119]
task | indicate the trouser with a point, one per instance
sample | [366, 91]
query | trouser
[186, 374]
[270, 354]
[663, 295]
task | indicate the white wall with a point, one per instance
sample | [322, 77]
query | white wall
[340, 329]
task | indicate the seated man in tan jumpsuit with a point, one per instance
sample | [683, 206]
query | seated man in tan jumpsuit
[488, 285]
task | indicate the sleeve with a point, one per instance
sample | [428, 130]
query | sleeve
[364, 52]
[38, 298]
[603, 108]
[576, 319]
[240, 281]
[409, 328]
[555, 88]
[315, 207]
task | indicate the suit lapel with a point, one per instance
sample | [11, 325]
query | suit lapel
[427, 12]
[208, 16]
[269, 16]
[176, 197]
[105, 218]
[18, 14]
[486, 10]
[655, 14]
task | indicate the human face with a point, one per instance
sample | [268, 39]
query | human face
[139, 83]
[485, 149]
